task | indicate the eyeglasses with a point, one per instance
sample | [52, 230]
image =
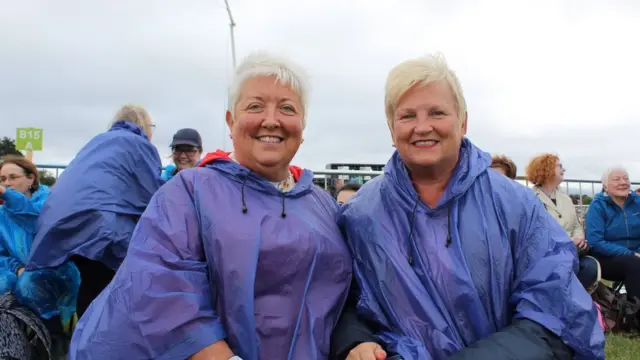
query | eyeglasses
[12, 177]
[187, 151]
[153, 128]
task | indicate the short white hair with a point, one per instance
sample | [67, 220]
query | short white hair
[424, 71]
[283, 70]
[611, 170]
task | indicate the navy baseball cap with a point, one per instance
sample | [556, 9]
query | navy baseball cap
[187, 137]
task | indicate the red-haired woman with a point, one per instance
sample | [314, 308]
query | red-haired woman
[546, 173]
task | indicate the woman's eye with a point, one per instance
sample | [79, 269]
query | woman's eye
[288, 109]
[438, 113]
[254, 107]
[407, 116]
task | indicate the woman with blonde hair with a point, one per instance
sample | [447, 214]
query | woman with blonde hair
[240, 258]
[451, 260]
[97, 201]
[546, 173]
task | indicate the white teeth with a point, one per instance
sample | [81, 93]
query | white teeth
[426, 143]
[270, 139]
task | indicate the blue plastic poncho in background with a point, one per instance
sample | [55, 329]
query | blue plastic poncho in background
[271, 281]
[48, 292]
[488, 254]
[98, 199]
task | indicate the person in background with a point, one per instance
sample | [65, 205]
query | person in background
[504, 165]
[453, 261]
[97, 201]
[346, 192]
[638, 191]
[186, 150]
[240, 258]
[613, 230]
[49, 293]
[546, 173]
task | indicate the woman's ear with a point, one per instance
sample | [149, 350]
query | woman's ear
[32, 179]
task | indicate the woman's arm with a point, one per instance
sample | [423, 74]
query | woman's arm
[546, 291]
[22, 211]
[351, 330]
[595, 234]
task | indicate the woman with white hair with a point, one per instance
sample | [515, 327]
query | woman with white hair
[613, 230]
[95, 204]
[454, 261]
[238, 258]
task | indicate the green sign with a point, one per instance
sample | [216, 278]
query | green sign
[29, 139]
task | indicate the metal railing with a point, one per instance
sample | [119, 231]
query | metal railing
[333, 179]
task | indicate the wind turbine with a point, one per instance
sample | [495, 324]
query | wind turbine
[232, 26]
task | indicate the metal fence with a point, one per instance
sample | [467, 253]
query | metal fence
[331, 180]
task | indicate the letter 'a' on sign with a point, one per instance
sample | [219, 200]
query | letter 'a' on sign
[29, 139]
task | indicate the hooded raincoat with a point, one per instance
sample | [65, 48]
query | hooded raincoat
[48, 292]
[611, 230]
[219, 254]
[98, 199]
[439, 280]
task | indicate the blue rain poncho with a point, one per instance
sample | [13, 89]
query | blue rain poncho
[270, 281]
[48, 292]
[98, 199]
[439, 280]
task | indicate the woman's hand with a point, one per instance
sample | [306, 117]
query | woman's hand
[580, 243]
[20, 271]
[2, 190]
[367, 351]
[216, 351]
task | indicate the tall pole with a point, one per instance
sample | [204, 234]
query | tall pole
[232, 26]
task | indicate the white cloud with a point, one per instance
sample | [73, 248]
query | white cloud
[557, 76]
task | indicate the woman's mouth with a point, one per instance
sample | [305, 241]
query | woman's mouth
[270, 139]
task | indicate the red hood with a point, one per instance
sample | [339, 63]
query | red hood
[219, 154]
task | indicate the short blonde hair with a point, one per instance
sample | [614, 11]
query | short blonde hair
[424, 71]
[134, 114]
[283, 70]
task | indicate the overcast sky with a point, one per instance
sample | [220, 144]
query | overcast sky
[539, 76]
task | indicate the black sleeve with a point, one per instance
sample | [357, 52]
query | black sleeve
[351, 330]
[523, 340]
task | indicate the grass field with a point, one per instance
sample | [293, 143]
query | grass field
[622, 348]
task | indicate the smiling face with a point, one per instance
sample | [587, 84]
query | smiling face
[185, 156]
[266, 127]
[427, 130]
[14, 177]
[618, 184]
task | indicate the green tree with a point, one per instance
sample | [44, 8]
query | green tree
[586, 200]
[46, 178]
[8, 147]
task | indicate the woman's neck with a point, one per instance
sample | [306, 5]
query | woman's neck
[430, 183]
[549, 189]
[619, 200]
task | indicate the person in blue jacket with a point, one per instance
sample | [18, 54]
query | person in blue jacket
[240, 258]
[613, 230]
[49, 293]
[97, 201]
[453, 261]
[186, 150]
